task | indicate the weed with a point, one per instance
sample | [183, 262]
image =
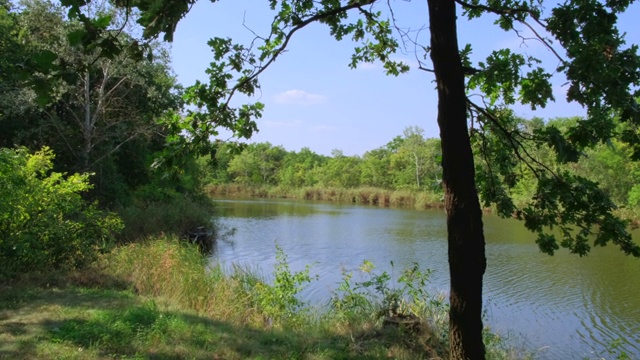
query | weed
[279, 302]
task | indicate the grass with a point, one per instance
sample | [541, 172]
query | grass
[158, 300]
[363, 195]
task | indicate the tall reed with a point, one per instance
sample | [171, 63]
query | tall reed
[362, 195]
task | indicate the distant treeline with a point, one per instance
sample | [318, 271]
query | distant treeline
[409, 163]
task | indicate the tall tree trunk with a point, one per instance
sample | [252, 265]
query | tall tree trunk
[87, 130]
[467, 260]
[415, 158]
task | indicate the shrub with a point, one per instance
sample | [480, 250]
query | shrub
[172, 215]
[44, 222]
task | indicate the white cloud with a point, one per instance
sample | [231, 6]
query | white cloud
[367, 66]
[299, 97]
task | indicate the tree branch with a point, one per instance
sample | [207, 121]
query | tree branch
[506, 12]
[509, 13]
[515, 144]
[289, 35]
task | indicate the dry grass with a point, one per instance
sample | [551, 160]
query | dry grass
[179, 275]
[364, 195]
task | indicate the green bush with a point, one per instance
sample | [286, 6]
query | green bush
[44, 221]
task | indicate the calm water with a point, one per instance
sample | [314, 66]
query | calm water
[561, 307]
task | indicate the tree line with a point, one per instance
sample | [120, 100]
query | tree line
[408, 161]
[413, 162]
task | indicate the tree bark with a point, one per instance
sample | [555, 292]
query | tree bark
[415, 158]
[87, 129]
[467, 261]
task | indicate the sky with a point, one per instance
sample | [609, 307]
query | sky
[313, 99]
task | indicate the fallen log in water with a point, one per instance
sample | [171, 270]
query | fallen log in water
[203, 237]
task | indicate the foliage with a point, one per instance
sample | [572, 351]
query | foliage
[391, 167]
[378, 297]
[44, 221]
[301, 168]
[257, 164]
[176, 215]
[102, 115]
[340, 171]
[416, 162]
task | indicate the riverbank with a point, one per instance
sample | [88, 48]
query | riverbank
[405, 199]
[365, 195]
[158, 299]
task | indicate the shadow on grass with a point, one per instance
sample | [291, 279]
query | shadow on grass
[144, 330]
[75, 323]
[93, 315]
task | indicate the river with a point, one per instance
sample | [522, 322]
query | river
[558, 307]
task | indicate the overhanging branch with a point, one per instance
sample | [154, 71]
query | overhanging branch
[517, 146]
[287, 39]
[511, 14]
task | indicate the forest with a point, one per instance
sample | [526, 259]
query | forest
[79, 139]
[107, 164]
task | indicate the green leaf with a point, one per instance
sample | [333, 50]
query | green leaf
[102, 22]
[76, 37]
[44, 60]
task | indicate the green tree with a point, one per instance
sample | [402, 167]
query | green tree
[16, 60]
[257, 164]
[415, 163]
[603, 76]
[44, 222]
[244, 168]
[609, 166]
[301, 168]
[341, 171]
[413, 145]
[217, 163]
[103, 117]
[376, 168]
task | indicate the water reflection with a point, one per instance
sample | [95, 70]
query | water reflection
[569, 307]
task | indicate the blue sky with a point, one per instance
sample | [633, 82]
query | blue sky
[314, 99]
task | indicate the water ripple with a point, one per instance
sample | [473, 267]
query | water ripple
[561, 307]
